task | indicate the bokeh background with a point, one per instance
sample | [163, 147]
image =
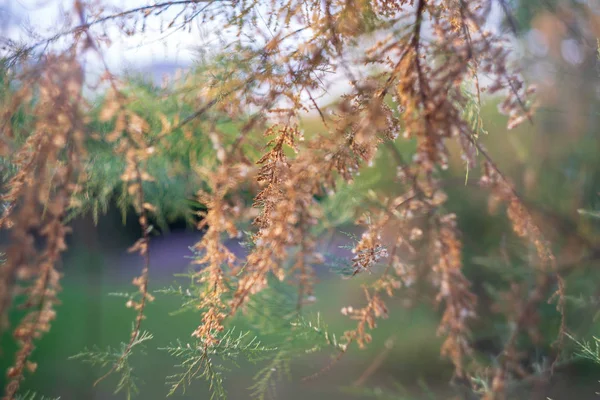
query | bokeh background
[554, 162]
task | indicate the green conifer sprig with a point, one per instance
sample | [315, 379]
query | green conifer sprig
[201, 361]
[128, 382]
[34, 396]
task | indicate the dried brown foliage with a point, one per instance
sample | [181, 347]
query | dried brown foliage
[38, 197]
[420, 56]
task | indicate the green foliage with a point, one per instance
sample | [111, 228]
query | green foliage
[306, 336]
[273, 313]
[199, 360]
[519, 14]
[472, 116]
[587, 350]
[188, 296]
[340, 265]
[589, 214]
[119, 360]
[175, 181]
[34, 396]
[340, 209]
[174, 184]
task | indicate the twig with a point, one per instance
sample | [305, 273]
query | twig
[377, 361]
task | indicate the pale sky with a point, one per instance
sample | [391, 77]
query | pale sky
[152, 52]
[152, 47]
[125, 52]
